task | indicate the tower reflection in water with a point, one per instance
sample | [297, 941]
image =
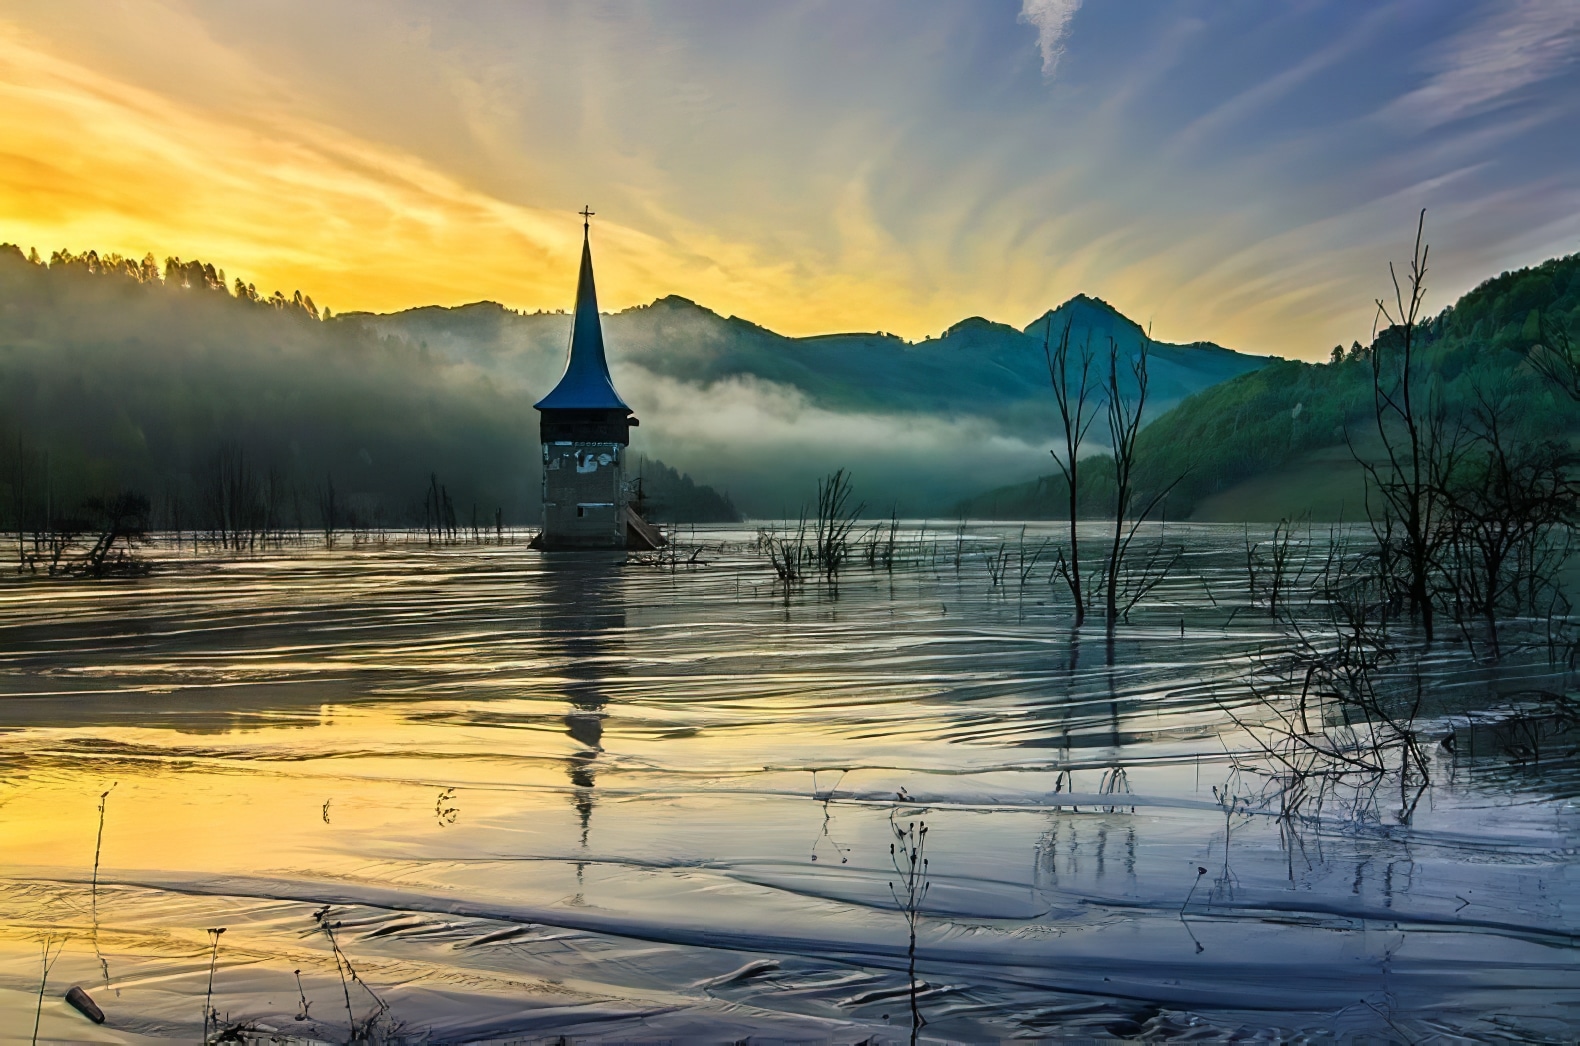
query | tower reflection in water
[583, 621]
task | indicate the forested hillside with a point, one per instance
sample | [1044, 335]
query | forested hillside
[671, 496]
[1294, 422]
[118, 374]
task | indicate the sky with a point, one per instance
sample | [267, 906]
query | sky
[1227, 170]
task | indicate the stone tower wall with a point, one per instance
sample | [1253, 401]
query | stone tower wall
[584, 495]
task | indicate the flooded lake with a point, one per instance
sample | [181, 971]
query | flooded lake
[546, 795]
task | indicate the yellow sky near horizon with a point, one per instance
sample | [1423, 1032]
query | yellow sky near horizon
[808, 167]
[88, 161]
[92, 162]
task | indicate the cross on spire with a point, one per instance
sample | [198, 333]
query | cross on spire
[586, 212]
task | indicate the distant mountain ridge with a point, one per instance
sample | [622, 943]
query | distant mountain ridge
[763, 415]
[115, 372]
[976, 367]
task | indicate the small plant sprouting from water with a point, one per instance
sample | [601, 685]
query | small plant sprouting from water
[1027, 557]
[1200, 872]
[826, 798]
[211, 1015]
[835, 521]
[997, 562]
[98, 844]
[444, 808]
[304, 1013]
[50, 953]
[826, 547]
[360, 1031]
[98, 849]
[908, 855]
[878, 545]
[786, 552]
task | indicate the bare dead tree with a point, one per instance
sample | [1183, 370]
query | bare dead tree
[433, 510]
[273, 505]
[328, 510]
[225, 487]
[1418, 445]
[1125, 415]
[21, 493]
[834, 523]
[1333, 714]
[1273, 567]
[123, 524]
[1508, 510]
[439, 512]
[1077, 412]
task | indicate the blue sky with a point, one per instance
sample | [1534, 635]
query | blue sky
[1233, 171]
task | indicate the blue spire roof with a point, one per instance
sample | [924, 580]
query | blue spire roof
[586, 384]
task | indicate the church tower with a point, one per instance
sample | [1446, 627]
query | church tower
[585, 428]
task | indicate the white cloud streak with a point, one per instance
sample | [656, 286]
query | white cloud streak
[1520, 44]
[1052, 19]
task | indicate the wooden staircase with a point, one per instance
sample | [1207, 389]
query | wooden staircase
[640, 534]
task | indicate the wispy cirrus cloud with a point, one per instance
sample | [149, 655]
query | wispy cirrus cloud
[1489, 64]
[1052, 19]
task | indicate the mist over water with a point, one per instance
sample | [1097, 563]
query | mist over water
[562, 795]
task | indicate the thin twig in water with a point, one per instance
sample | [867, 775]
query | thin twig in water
[303, 993]
[43, 981]
[908, 854]
[322, 917]
[98, 845]
[208, 998]
[1200, 871]
[827, 798]
[98, 848]
[348, 974]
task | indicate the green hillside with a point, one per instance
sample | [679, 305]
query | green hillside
[1272, 442]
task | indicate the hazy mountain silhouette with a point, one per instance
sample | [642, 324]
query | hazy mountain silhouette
[920, 424]
[122, 373]
[977, 367]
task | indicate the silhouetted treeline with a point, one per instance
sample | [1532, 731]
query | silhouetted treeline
[176, 273]
[671, 496]
[129, 375]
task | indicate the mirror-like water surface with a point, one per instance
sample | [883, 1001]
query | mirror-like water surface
[562, 795]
